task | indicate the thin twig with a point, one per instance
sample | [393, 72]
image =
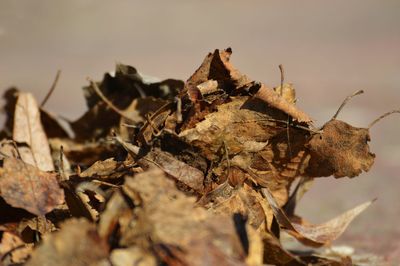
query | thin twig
[105, 183]
[288, 117]
[52, 88]
[345, 101]
[154, 130]
[382, 116]
[312, 130]
[282, 77]
[129, 125]
[108, 102]
[288, 137]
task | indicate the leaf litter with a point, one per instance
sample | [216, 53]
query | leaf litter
[167, 172]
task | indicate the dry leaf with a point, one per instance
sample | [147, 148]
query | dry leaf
[120, 90]
[25, 186]
[244, 201]
[52, 126]
[342, 149]
[28, 228]
[13, 250]
[116, 210]
[190, 176]
[173, 220]
[28, 129]
[77, 243]
[277, 101]
[314, 235]
[132, 256]
[101, 168]
[275, 254]
[287, 91]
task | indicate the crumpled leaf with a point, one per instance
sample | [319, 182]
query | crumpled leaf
[216, 66]
[25, 186]
[287, 91]
[101, 168]
[77, 243]
[121, 89]
[116, 212]
[182, 172]
[13, 250]
[309, 234]
[190, 176]
[86, 153]
[28, 228]
[349, 158]
[171, 218]
[245, 201]
[28, 129]
[275, 254]
[242, 125]
[275, 100]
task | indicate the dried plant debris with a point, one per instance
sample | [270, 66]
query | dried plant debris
[172, 173]
[25, 186]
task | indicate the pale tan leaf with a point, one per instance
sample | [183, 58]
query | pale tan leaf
[28, 129]
[271, 97]
[309, 234]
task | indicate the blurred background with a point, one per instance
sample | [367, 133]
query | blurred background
[329, 49]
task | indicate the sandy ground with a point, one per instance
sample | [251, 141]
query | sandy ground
[328, 48]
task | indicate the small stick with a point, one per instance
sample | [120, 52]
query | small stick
[129, 125]
[288, 117]
[154, 130]
[16, 150]
[108, 102]
[345, 101]
[312, 130]
[382, 116]
[105, 183]
[282, 77]
[52, 88]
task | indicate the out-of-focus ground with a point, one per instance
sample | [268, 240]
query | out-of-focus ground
[328, 48]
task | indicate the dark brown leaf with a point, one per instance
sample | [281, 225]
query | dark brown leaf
[52, 126]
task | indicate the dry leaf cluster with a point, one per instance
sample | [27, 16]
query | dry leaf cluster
[202, 172]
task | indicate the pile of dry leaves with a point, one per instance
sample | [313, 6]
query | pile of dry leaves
[202, 172]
